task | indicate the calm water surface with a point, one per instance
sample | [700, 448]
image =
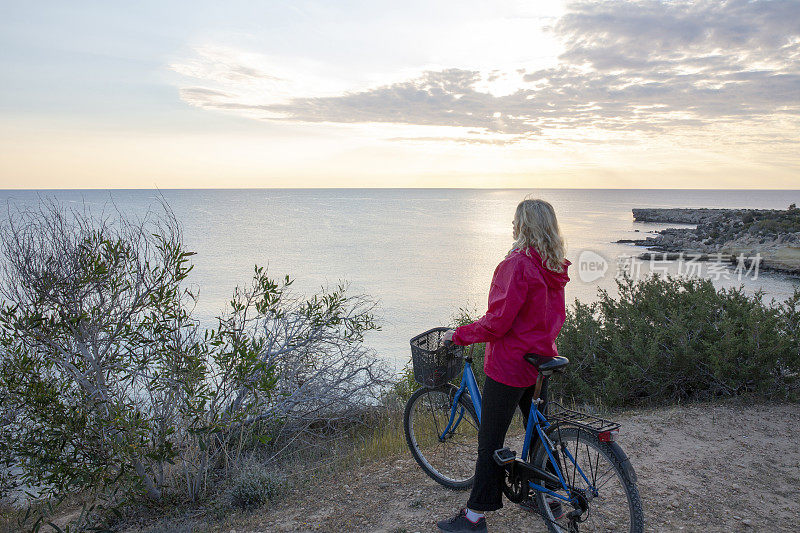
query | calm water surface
[421, 253]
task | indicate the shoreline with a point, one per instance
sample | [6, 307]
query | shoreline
[773, 235]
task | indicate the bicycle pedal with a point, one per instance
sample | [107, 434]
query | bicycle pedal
[504, 456]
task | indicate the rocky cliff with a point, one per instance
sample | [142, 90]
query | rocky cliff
[772, 233]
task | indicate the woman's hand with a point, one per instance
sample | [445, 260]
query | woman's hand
[448, 335]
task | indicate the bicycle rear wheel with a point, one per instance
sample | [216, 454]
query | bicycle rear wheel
[614, 504]
[449, 459]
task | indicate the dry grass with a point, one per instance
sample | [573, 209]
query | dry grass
[307, 466]
[384, 439]
[8, 518]
[12, 515]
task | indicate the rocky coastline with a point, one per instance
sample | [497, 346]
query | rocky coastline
[726, 235]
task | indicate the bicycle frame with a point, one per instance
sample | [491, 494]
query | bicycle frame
[469, 383]
[536, 420]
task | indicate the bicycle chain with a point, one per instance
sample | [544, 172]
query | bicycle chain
[538, 511]
[571, 526]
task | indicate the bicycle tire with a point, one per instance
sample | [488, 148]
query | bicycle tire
[450, 462]
[610, 510]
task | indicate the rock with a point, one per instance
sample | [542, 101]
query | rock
[772, 233]
[681, 216]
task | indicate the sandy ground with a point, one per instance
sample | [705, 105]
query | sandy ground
[700, 468]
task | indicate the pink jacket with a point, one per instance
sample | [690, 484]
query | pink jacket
[526, 312]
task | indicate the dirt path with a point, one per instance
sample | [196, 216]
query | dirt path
[700, 468]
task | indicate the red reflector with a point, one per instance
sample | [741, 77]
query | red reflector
[607, 436]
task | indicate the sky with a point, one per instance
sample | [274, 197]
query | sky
[517, 93]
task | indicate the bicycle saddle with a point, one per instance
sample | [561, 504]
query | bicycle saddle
[547, 365]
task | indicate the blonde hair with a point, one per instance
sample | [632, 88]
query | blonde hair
[535, 225]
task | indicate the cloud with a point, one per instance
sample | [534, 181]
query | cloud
[443, 98]
[461, 140]
[708, 60]
[220, 66]
[641, 66]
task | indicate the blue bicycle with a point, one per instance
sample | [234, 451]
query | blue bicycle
[576, 477]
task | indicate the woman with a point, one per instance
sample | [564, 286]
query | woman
[526, 312]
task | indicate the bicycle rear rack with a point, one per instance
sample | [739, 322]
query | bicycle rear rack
[557, 413]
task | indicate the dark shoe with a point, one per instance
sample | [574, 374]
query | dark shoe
[528, 504]
[460, 524]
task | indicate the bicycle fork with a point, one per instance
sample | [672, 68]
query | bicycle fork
[469, 384]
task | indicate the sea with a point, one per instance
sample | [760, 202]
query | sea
[421, 254]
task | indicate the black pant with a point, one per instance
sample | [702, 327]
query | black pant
[498, 403]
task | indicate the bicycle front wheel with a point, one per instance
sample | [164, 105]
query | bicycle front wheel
[449, 458]
[607, 484]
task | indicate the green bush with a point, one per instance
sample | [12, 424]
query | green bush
[111, 389]
[478, 351]
[671, 339]
[405, 385]
[665, 340]
[255, 487]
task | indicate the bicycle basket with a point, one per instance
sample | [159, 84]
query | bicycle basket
[434, 363]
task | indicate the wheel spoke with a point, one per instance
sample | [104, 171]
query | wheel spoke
[575, 461]
[591, 469]
[616, 508]
[450, 461]
[607, 476]
[433, 413]
[596, 468]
